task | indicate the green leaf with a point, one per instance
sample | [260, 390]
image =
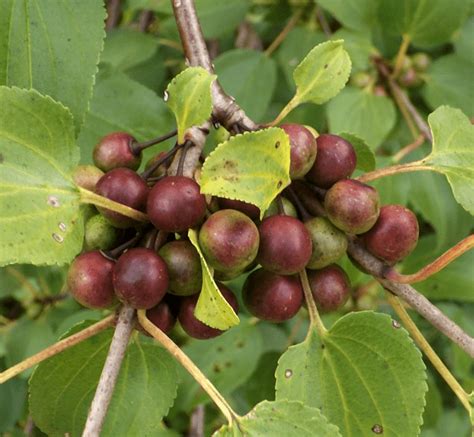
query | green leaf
[121, 104]
[253, 167]
[464, 44]
[453, 154]
[322, 73]
[449, 82]
[241, 72]
[426, 23]
[126, 48]
[212, 308]
[13, 395]
[364, 373]
[354, 14]
[52, 47]
[189, 97]
[228, 361]
[40, 219]
[280, 418]
[62, 388]
[365, 156]
[359, 46]
[363, 114]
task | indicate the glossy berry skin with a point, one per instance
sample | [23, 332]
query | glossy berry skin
[394, 235]
[175, 204]
[303, 149]
[330, 287]
[114, 151]
[285, 245]
[140, 278]
[184, 267]
[162, 316]
[229, 240]
[89, 280]
[87, 176]
[352, 206]
[123, 186]
[194, 327]
[272, 297]
[246, 208]
[329, 243]
[336, 160]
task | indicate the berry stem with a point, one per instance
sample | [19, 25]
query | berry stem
[160, 239]
[186, 362]
[407, 293]
[323, 22]
[402, 51]
[182, 157]
[395, 169]
[438, 264]
[302, 211]
[115, 253]
[423, 344]
[149, 171]
[94, 199]
[110, 372]
[283, 34]
[314, 317]
[137, 148]
[57, 348]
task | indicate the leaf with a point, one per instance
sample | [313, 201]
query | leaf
[280, 418]
[189, 97]
[13, 394]
[52, 47]
[126, 48]
[241, 72]
[363, 114]
[354, 14]
[121, 104]
[449, 82]
[421, 19]
[359, 46]
[212, 308]
[228, 361]
[453, 154]
[62, 388]
[364, 373]
[40, 218]
[365, 156]
[464, 44]
[253, 167]
[322, 73]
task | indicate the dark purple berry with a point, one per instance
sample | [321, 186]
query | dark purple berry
[303, 149]
[394, 234]
[194, 327]
[162, 316]
[89, 280]
[247, 208]
[87, 176]
[330, 287]
[140, 278]
[285, 245]
[184, 267]
[229, 240]
[123, 186]
[352, 206]
[114, 151]
[272, 297]
[175, 204]
[336, 160]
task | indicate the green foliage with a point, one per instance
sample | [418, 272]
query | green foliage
[52, 47]
[257, 177]
[212, 308]
[189, 97]
[285, 418]
[357, 376]
[144, 392]
[365, 156]
[453, 155]
[354, 14]
[41, 220]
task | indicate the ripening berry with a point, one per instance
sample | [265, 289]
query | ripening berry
[99, 234]
[115, 151]
[87, 176]
[162, 316]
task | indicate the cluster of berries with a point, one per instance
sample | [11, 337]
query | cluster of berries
[159, 269]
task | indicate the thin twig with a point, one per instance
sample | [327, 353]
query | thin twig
[113, 14]
[145, 20]
[408, 149]
[110, 372]
[435, 360]
[323, 22]
[417, 301]
[402, 51]
[395, 169]
[56, 348]
[283, 34]
[196, 426]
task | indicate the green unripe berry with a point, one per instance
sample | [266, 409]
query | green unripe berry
[329, 243]
[361, 79]
[421, 61]
[87, 176]
[99, 234]
[288, 208]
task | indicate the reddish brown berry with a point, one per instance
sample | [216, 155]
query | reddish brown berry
[114, 151]
[162, 316]
[303, 149]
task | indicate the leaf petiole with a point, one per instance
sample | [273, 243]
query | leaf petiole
[314, 317]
